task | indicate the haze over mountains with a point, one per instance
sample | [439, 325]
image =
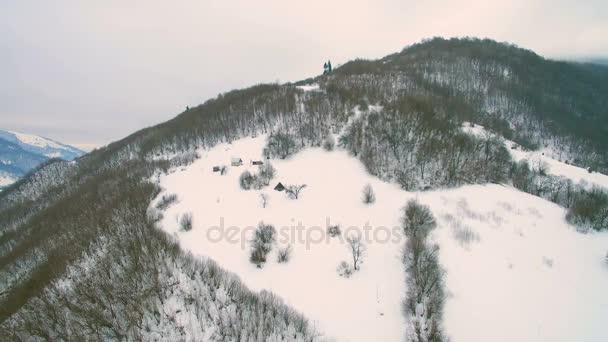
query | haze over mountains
[20, 153]
[488, 159]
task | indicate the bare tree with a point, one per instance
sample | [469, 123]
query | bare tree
[284, 254]
[264, 200]
[357, 248]
[223, 170]
[368, 195]
[185, 222]
[293, 191]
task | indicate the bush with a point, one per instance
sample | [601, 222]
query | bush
[589, 209]
[185, 222]
[246, 180]
[258, 256]
[334, 231]
[261, 244]
[344, 269]
[417, 220]
[266, 173]
[284, 254]
[329, 143]
[368, 195]
[223, 170]
[166, 201]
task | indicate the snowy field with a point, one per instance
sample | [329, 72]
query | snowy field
[515, 270]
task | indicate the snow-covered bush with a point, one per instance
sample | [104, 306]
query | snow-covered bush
[344, 269]
[261, 244]
[417, 219]
[266, 173]
[334, 230]
[284, 254]
[246, 180]
[185, 222]
[589, 209]
[329, 143]
[369, 196]
[166, 201]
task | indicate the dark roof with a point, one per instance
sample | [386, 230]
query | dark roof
[279, 187]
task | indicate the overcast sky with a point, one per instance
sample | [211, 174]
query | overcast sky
[87, 72]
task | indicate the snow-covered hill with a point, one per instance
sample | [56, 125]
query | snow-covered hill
[515, 270]
[20, 153]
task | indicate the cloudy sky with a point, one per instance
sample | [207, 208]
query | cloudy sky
[87, 72]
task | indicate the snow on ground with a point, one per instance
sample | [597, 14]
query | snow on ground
[6, 180]
[367, 306]
[515, 270]
[556, 167]
[35, 140]
[309, 87]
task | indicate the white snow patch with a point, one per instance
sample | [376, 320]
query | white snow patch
[527, 276]
[309, 87]
[35, 140]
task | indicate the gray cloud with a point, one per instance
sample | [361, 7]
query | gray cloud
[89, 72]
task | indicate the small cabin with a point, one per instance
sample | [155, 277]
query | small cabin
[236, 161]
[257, 162]
[216, 169]
[279, 187]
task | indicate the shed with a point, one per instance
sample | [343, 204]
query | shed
[216, 169]
[257, 162]
[236, 161]
[279, 187]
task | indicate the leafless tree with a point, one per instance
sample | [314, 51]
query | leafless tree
[357, 248]
[293, 191]
[264, 199]
[368, 195]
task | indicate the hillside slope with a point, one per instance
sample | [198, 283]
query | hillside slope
[402, 117]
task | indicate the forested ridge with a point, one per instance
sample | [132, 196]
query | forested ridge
[81, 257]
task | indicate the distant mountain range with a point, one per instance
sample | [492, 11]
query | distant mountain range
[20, 153]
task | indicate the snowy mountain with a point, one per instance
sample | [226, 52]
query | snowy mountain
[20, 153]
[454, 190]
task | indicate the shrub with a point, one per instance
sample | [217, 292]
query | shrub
[329, 143]
[368, 195]
[185, 222]
[223, 170]
[261, 244]
[417, 219]
[266, 173]
[166, 201]
[334, 231]
[258, 256]
[589, 209]
[284, 254]
[344, 269]
[246, 180]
